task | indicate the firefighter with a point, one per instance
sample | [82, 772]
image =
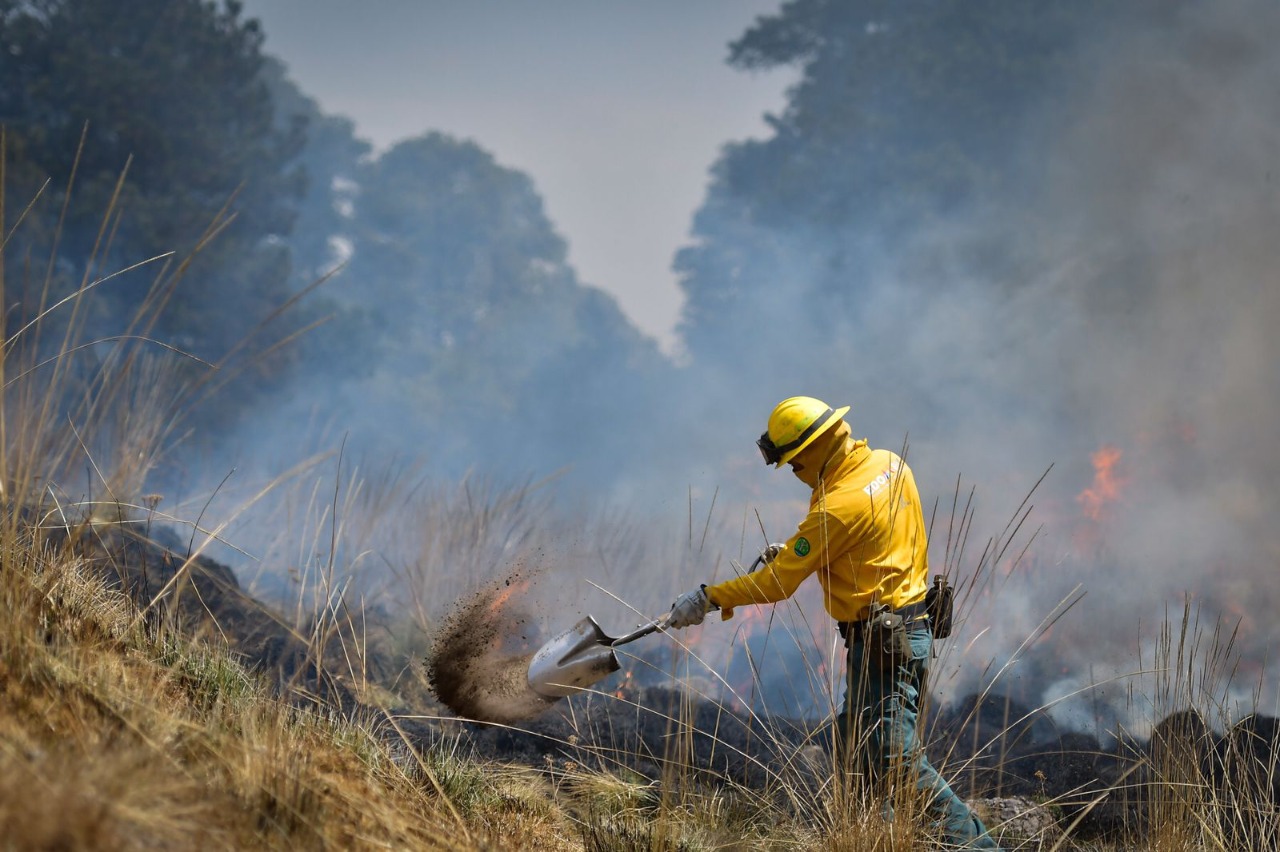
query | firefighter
[864, 537]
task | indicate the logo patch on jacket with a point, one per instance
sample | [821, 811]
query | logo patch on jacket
[802, 546]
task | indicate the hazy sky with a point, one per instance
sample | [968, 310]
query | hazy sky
[615, 109]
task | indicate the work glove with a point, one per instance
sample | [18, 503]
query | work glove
[767, 555]
[772, 550]
[689, 609]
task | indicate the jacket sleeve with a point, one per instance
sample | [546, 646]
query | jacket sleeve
[806, 552]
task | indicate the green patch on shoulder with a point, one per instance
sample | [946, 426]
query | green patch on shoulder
[802, 546]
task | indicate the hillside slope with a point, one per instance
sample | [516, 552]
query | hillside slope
[119, 732]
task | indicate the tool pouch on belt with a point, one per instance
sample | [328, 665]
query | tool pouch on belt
[885, 640]
[940, 601]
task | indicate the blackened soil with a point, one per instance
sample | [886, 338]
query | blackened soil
[203, 598]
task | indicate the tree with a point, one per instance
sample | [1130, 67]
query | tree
[169, 93]
[330, 162]
[321, 241]
[905, 112]
[489, 352]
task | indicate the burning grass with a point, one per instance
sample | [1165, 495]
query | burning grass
[119, 728]
[150, 738]
[631, 767]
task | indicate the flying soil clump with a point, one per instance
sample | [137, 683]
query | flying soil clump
[478, 664]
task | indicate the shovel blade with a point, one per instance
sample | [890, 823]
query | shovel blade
[572, 661]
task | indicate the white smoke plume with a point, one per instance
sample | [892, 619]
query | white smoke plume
[1133, 329]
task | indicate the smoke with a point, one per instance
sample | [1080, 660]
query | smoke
[1109, 317]
[1131, 309]
[1122, 296]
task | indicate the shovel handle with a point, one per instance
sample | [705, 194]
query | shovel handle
[640, 632]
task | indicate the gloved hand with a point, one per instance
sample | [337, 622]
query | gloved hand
[767, 555]
[689, 609]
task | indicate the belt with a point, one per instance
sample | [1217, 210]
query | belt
[851, 631]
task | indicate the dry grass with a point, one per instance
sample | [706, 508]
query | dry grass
[114, 736]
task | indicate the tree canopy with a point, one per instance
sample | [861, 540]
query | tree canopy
[478, 317]
[905, 115]
[170, 95]
[451, 300]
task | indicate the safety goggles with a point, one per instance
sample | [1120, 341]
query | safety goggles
[768, 449]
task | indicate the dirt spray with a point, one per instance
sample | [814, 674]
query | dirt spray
[479, 656]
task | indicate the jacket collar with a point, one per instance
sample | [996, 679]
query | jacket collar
[848, 457]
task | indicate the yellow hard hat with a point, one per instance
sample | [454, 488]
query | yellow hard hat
[793, 425]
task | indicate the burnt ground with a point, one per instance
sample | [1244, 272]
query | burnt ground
[655, 732]
[203, 599]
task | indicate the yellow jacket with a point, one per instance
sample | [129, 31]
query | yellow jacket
[864, 536]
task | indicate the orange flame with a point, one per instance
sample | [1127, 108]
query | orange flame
[501, 599]
[752, 620]
[1106, 482]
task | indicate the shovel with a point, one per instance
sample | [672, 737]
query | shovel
[580, 656]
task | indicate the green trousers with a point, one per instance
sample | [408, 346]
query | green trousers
[876, 735]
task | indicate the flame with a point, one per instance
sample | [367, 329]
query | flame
[496, 609]
[1107, 482]
[752, 620]
[500, 600]
[752, 617]
[1230, 602]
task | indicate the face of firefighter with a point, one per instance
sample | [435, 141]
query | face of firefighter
[809, 463]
